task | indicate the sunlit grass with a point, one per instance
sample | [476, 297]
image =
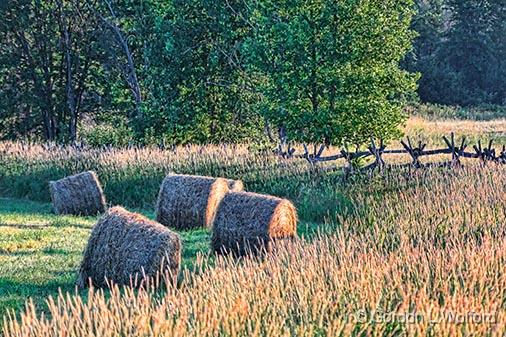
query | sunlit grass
[431, 245]
[40, 252]
[430, 131]
[430, 242]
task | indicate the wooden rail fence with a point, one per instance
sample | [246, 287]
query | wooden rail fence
[376, 150]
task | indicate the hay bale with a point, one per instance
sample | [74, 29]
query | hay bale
[80, 194]
[235, 185]
[248, 221]
[125, 246]
[186, 202]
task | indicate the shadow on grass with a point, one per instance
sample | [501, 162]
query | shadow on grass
[35, 226]
[24, 207]
[16, 293]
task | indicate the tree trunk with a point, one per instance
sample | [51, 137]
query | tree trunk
[130, 73]
[71, 98]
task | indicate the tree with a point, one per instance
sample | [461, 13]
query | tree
[329, 70]
[430, 23]
[29, 68]
[77, 42]
[114, 42]
[460, 51]
[47, 54]
[199, 90]
[475, 52]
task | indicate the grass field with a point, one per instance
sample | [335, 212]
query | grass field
[431, 243]
[430, 131]
[40, 252]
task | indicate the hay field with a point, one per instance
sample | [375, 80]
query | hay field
[430, 131]
[390, 256]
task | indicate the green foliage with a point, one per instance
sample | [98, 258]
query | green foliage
[49, 67]
[204, 96]
[461, 52]
[200, 72]
[108, 134]
[328, 70]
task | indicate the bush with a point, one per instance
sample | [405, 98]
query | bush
[107, 134]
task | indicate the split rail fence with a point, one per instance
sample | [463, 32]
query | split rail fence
[486, 154]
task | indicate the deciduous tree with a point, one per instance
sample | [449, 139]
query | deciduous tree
[330, 69]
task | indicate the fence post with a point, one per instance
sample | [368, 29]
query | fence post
[377, 152]
[502, 156]
[454, 150]
[415, 153]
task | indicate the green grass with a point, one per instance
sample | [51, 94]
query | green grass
[403, 245]
[40, 252]
[478, 113]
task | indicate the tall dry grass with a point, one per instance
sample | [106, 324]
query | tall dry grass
[25, 169]
[419, 255]
[431, 131]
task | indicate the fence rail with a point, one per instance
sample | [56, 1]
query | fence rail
[416, 152]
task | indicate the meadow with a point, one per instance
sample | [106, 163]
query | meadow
[429, 244]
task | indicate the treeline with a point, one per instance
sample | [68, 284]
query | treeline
[460, 51]
[199, 71]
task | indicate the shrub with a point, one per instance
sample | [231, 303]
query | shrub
[107, 134]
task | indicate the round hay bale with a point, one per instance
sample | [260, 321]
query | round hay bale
[126, 246]
[186, 202]
[248, 222]
[235, 185]
[80, 194]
